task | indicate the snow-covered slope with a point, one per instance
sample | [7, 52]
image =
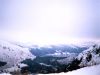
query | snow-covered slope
[13, 54]
[90, 56]
[94, 70]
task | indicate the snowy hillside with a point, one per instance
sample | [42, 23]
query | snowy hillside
[94, 70]
[90, 56]
[13, 54]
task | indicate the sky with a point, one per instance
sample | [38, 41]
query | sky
[49, 21]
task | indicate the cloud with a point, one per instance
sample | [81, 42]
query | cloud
[50, 18]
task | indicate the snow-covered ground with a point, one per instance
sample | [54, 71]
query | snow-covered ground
[5, 74]
[94, 70]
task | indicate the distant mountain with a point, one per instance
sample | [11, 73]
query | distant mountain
[54, 49]
[38, 50]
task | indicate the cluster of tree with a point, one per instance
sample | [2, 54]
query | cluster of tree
[34, 66]
[2, 63]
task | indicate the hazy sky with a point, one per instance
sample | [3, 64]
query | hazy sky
[49, 20]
